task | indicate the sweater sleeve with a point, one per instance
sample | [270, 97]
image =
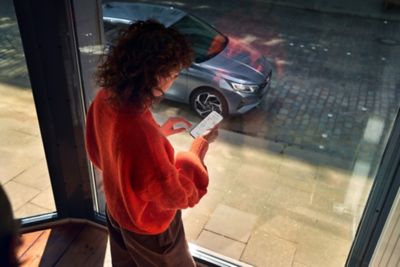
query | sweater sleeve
[92, 147]
[165, 181]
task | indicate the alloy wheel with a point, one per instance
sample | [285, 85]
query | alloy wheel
[206, 102]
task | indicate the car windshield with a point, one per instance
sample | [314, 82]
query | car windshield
[206, 41]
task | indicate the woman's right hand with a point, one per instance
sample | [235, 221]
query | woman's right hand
[211, 135]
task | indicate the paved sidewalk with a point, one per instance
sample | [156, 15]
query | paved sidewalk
[23, 168]
[261, 199]
[261, 196]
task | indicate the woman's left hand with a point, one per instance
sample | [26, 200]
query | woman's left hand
[171, 126]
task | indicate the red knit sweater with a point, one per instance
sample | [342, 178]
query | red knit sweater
[144, 183]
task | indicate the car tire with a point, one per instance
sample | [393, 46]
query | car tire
[205, 100]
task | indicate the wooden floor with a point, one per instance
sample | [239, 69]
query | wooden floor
[73, 244]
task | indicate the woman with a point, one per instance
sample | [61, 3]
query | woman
[145, 185]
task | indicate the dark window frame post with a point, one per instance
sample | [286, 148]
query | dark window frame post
[48, 37]
[380, 201]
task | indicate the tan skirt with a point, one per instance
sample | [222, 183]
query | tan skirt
[168, 249]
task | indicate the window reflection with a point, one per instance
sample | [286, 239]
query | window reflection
[290, 177]
[206, 41]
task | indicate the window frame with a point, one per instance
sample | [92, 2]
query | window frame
[50, 39]
[380, 201]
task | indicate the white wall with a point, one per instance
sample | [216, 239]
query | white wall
[387, 252]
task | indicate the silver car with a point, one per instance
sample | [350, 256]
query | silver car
[227, 76]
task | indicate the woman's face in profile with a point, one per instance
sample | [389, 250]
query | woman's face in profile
[164, 83]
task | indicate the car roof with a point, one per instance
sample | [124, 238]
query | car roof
[130, 12]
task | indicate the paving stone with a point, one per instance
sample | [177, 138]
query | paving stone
[36, 176]
[298, 264]
[211, 200]
[194, 223]
[264, 250]
[319, 248]
[232, 223]
[18, 142]
[288, 197]
[333, 177]
[45, 199]
[220, 244]
[281, 225]
[244, 197]
[19, 194]
[331, 221]
[298, 174]
[29, 209]
[18, 152]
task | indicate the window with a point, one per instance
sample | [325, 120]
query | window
[23, 166]
[292, 170]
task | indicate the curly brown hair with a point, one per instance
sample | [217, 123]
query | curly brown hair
[144, 52]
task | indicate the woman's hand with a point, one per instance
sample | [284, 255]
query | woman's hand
[211, 135]
[171, 126]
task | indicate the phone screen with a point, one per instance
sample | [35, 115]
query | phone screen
[206, 124]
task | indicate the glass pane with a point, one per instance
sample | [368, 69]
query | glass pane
[311, 92]
[23, 167]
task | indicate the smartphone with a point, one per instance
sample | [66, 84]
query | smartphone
[206, 124]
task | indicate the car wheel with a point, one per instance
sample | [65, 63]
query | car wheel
[205, 100]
